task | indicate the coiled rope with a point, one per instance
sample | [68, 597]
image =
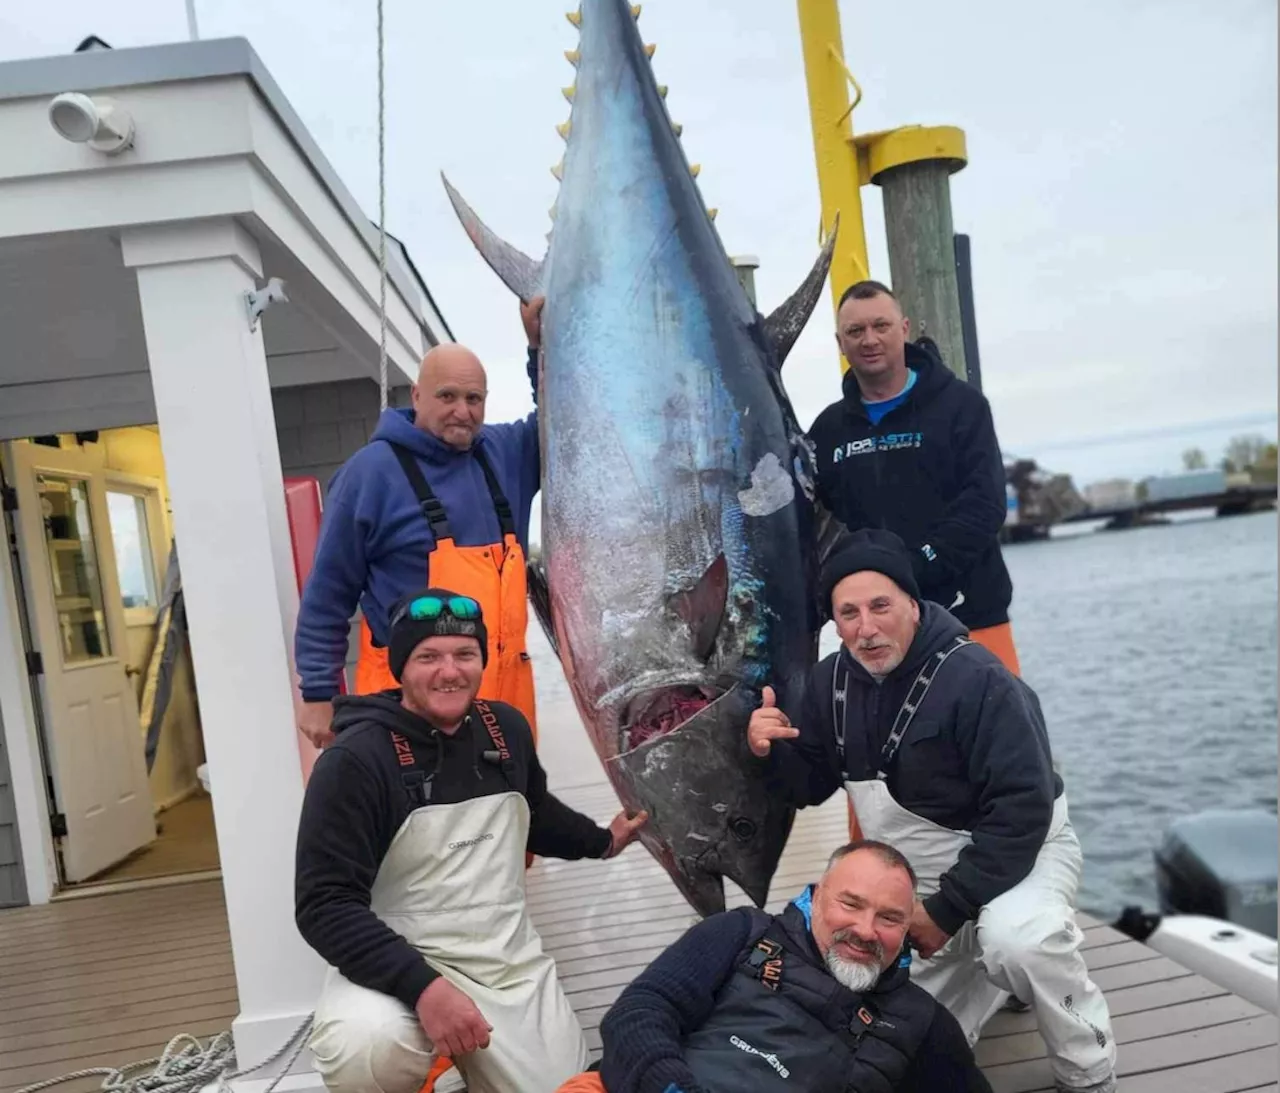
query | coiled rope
[185, 1066]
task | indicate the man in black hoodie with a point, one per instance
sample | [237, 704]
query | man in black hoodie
[912, 449]
[945, 756]
[410, 875]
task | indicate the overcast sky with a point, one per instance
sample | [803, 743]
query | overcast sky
[1120, 194]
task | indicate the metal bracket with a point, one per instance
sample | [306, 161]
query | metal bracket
[257, 301]
[857, 98]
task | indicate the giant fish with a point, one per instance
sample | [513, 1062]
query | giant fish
[680, 535]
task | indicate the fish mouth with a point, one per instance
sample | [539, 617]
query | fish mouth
[711, 812]
[656, 713]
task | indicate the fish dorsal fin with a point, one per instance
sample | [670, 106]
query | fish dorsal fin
[702, 606]
[520, 273]
[783, 327]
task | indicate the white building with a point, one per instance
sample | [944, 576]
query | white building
[140, 402]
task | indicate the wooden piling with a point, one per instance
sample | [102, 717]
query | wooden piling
[922, 261]
[745, 266]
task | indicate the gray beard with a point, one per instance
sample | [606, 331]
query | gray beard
[856, 976]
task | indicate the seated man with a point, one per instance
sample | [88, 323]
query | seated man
[944, 753]
[410, 875]
[817, 999]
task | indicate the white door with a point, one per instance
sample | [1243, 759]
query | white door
[95, 749]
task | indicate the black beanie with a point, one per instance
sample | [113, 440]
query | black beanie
[873, 549]
[407, 633]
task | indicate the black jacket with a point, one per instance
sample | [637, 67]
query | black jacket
[931, 472]
[679, 1013]
[356, 801]
[975, 758]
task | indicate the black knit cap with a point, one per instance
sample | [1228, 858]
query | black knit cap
[407, 633]
[871, 549]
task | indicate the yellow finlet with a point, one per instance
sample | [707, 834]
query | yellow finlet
[696, 170]
[635, 11]
[572, 56]
[575, 17]
[558, 171]
[662, 91]
[551, 212]
[569, 92]
[677, 128]
[650, 50]
[712, 213]
[563, 129]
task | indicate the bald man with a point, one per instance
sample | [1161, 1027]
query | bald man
[436, 498]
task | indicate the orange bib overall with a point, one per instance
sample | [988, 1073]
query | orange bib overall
[494, 575]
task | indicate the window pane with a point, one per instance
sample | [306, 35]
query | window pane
[134, 564]
[73, 565]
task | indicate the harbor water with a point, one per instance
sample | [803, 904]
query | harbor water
[1153, 651]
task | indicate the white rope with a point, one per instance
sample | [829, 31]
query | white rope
[382, 219]
[185, 1066]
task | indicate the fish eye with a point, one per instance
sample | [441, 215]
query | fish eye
[742, 828]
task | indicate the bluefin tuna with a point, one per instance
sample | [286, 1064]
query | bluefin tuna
[680, 536]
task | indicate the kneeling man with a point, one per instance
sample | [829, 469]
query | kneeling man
[944, 753]
[817, 999]
[410, 875]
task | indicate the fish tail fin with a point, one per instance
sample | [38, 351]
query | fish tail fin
[520, 273]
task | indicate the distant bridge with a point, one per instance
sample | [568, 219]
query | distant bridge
[1234, 501]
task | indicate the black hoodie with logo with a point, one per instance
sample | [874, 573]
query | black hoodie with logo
[356, 801]
[931, 471]
[975, 758]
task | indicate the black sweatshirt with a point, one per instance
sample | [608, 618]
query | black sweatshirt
[976, 758]
[356, 802]
[931, 471]
[675, 995]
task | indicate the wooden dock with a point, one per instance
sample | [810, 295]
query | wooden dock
[108, 980]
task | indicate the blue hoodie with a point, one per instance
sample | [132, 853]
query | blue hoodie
[374, 539]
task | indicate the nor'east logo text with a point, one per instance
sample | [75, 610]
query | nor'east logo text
[890, 442]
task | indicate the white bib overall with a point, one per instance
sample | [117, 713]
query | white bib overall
[1025, 941]
[453, 884]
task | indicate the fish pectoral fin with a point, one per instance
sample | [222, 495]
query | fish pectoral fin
[702, 606]
[520, 273]
[829, 533]
[540, 598]
[829, 536]
[784, 325]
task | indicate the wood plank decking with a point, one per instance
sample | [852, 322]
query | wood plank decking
[108, 980]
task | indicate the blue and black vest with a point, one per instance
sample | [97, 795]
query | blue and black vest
[782, 1022]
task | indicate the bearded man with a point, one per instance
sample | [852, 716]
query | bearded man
[816, 999]
[944, 754]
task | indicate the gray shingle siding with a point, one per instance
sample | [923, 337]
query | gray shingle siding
[320, 427]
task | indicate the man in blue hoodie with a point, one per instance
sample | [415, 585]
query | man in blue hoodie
[436, 497]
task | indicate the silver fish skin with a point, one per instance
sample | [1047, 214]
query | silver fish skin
[680, 539]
